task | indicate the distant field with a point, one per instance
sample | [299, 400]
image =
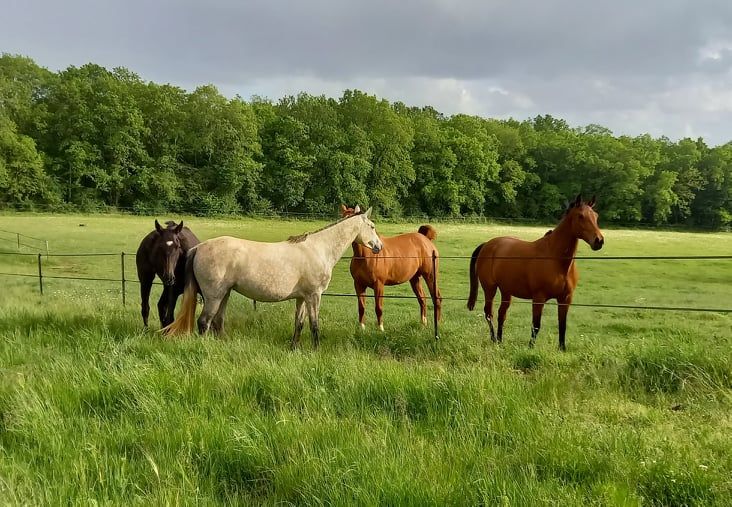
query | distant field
[638, 411]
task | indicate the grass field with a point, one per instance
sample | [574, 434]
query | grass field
[637, 411]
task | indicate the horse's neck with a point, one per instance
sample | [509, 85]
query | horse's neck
[333, 241]
[563, 243]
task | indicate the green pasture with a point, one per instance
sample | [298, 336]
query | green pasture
[638, 411]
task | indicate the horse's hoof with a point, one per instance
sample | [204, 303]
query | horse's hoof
[381, 327]
[424, 321]
[363, 326]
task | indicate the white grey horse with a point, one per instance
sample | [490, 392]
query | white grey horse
[299, 268]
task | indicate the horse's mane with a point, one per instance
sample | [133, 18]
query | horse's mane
[299, 238]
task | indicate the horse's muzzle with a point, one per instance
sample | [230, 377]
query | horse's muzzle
[376, 249]
[169, 281]
[597, 244]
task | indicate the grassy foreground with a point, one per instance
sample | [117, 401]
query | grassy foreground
[638, 411]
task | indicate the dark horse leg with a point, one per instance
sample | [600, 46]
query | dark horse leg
[163, 304]
[146, 281]
[417, 289]
[537, 308]
[379, 304]
[502, 310]
[361, 293]
[490, 293]
[562, 313]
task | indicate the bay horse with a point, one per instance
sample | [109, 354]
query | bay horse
[299, 268]
[407, 257]
[540, 270]
[163, 252]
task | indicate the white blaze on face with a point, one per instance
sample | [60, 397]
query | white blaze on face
[169, 243]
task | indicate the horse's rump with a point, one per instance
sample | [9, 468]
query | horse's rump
[428, 231]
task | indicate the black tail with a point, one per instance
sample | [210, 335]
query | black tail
[473, 278]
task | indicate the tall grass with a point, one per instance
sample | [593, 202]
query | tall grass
[94, 410]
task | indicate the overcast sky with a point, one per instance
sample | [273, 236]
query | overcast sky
[636, 66]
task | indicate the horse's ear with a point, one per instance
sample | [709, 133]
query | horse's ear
[368, 212]
[179, 227]
[343, 208]
[357, 210]
[591, 203]
[158, 227]
[577, 200]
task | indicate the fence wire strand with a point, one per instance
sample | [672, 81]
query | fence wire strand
[442, 298]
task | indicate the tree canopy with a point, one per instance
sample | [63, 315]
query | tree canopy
[88, 137]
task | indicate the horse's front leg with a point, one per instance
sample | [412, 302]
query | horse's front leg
[313, 304]
[163, 305]
[299, 322]
[562, 313]
[379, 304]
[537, 308]
[361, 293]
[146, 281]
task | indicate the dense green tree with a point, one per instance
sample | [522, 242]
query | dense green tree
[91, 137]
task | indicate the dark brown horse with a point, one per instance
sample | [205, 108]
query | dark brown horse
[406, 257]
[163, 253]
[540, 270]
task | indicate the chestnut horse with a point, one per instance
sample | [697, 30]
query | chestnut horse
[540, 270]
[404, 257]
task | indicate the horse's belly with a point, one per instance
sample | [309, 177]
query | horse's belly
[262, 293]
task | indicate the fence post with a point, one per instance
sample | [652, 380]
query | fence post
[46, 249]
[434, 292]
[40, 274]
[18, 236]
[124, 292]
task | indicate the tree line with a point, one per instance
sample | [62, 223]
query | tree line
[87, 137]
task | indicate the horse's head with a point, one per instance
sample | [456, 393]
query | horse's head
[348, 212]
[367, 235]
[583, 222]
[169, 249]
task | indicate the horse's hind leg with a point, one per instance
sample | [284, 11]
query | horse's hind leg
[211, 306]
[537, 308]
[417, 289]
[435, 293]
[490, 293]
[502, 311]
[217, 324]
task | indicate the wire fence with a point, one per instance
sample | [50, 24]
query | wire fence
[20, 240]
[122, 280]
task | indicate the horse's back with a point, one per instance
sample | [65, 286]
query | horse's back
[402, 257]
[520, 268]
[258, 270]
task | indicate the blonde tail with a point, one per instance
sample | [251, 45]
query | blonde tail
[183, 324]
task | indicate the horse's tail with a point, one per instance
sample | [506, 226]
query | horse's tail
[473, 278]
[183, 324]
[429, 231]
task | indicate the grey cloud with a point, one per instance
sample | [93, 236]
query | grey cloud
[574, 58]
